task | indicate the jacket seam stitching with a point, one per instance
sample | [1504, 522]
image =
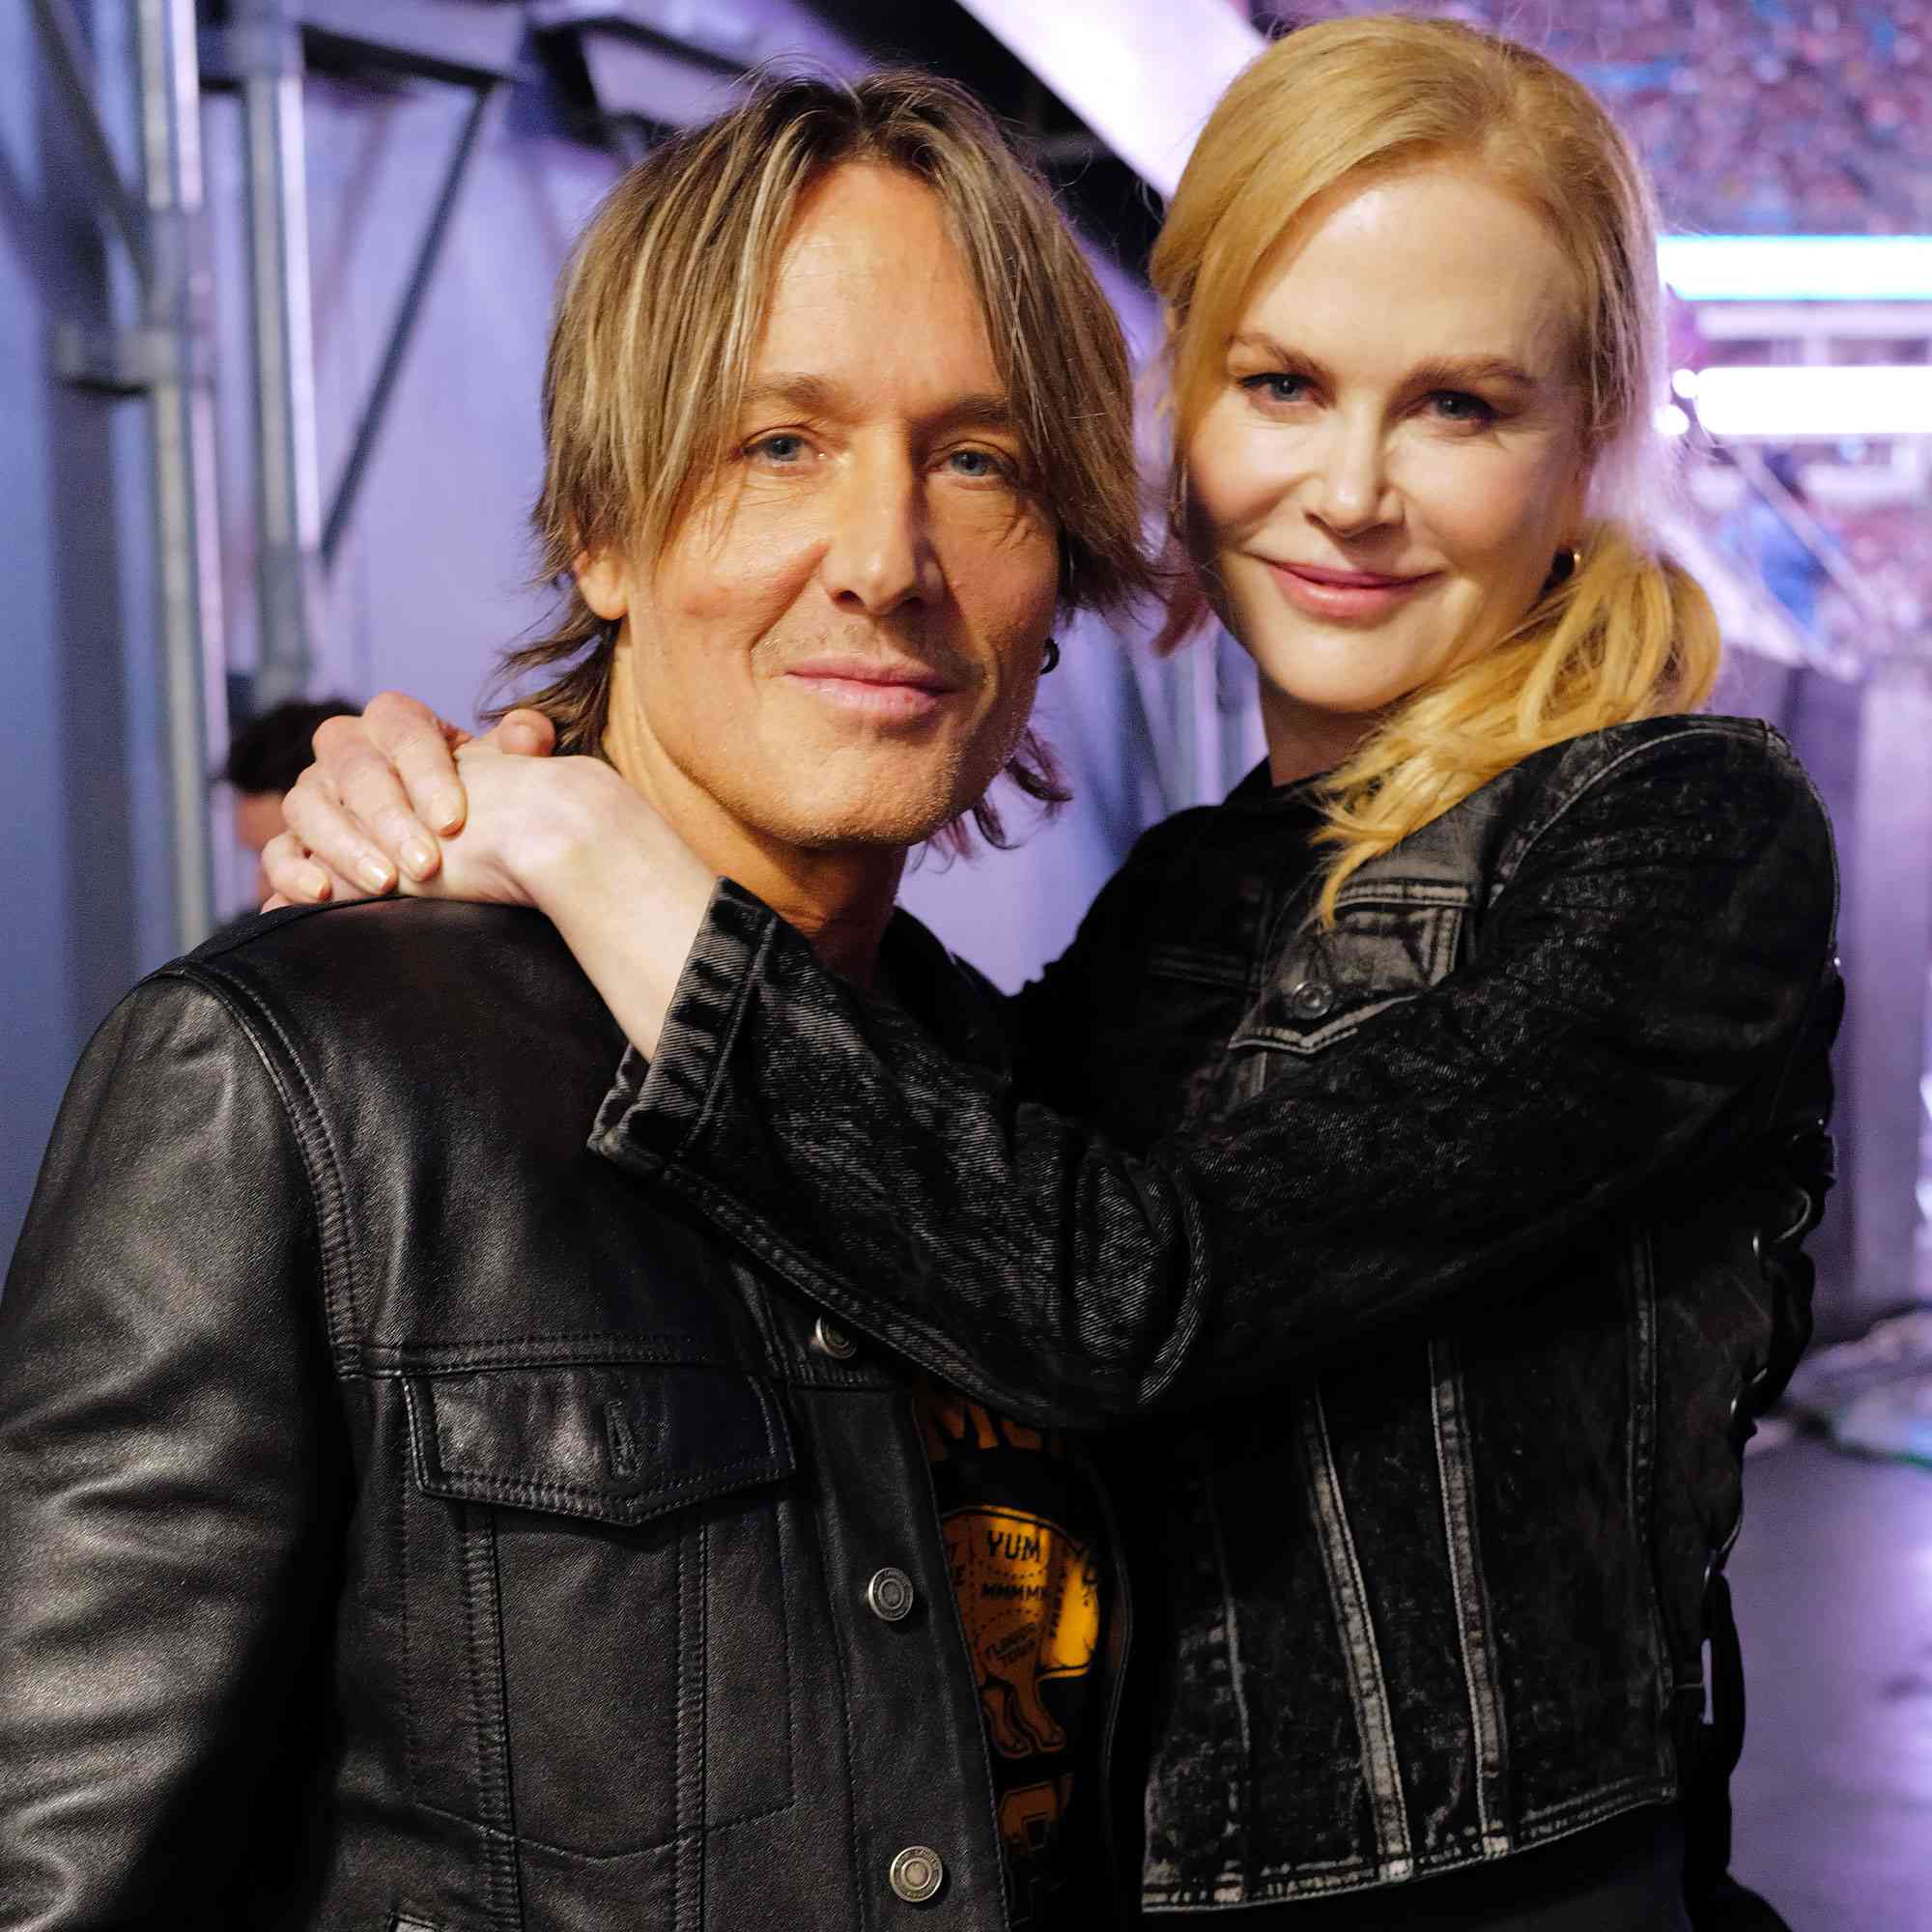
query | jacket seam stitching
[324, 1176]
[1687, 727]
[1374, 1721]
[1478, 1672]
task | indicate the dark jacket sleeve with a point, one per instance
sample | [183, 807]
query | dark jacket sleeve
[1645, 969]
[166, 1417]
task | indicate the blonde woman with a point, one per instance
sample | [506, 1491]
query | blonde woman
[1415, 1148]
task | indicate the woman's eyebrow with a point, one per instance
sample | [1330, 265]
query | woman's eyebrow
[1259, 343]
[1439, 372]
[1452, 372]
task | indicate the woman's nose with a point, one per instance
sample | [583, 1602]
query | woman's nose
[1352, 485]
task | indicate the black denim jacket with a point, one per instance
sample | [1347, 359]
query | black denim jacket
[406, 1524]
[1453, 1248]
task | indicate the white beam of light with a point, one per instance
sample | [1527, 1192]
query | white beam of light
[1141, 74]
[1798, 268]
[1793, 402]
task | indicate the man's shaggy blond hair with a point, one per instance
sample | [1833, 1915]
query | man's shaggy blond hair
[663, 306]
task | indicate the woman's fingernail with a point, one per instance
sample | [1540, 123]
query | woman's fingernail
[419, 856]
[374, 874]
[448, 809]
[314, 882]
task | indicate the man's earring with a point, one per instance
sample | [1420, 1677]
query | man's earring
[1049, 657]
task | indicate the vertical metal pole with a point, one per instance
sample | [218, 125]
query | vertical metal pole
[267, 52]
[176, 301]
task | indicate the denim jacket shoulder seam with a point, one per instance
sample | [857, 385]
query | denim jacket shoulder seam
[1557, 810]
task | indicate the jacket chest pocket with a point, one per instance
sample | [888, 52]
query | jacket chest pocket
[1390, 942]
[594, 1579]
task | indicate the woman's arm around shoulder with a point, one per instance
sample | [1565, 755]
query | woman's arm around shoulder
[1658, 933]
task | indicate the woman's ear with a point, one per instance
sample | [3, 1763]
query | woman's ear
[604, 579]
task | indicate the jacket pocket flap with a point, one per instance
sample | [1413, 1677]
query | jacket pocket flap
[617, 1442]
[1329, 984]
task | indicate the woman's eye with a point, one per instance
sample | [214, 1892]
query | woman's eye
[1276, 387]
[1456, 406]
[783, 447]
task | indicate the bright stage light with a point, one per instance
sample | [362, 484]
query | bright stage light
[1796, 401]
[1798, 268]
[1683, 383]
[1671, 420]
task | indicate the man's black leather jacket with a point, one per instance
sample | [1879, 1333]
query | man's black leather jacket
[406, 1524]
[1453, 1249]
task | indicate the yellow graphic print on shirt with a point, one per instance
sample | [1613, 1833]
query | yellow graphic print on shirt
[1031, 1600]
[1030, 1596]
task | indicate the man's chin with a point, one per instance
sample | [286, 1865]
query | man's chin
[898, 832]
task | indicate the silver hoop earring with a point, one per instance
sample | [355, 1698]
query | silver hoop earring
[1049, 657]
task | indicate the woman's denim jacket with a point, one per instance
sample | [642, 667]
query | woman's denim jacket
[1439, 1261]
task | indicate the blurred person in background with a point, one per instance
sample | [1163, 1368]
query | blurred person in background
[405, 1520]
[1410, 1160]
[265, 758]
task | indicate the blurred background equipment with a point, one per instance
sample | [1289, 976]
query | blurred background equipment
[274, 286]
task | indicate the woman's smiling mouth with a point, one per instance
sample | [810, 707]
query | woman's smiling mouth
[1321, 591]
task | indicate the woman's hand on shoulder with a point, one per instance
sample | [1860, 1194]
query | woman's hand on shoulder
[539, 831]
[368, 817]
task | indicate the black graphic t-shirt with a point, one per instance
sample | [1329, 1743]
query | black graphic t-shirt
[1023, 1538]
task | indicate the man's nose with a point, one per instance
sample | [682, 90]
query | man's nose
[881, 555]
[1351, 483]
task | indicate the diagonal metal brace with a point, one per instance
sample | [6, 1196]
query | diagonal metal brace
[409, 311]
[74, 68]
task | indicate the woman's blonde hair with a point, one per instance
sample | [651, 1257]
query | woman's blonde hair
[660, 315]
[1625, 634]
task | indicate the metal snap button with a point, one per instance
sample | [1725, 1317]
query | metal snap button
[1310, 1000]
[917, 1874]
[890, 1595]
[833, 1341]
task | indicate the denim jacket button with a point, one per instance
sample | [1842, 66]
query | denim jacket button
[833, 1341]
[890, 1595]
[917, 1874]
[1310, 1000]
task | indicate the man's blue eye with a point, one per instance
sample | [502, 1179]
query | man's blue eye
[976, 463]
[780, 448]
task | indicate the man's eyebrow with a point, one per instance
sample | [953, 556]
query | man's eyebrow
[809, 395]
[1448, 372]
[987, 410]
[814, 396]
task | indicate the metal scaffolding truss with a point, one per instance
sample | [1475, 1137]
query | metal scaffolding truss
[164, 353]
[161, 354]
